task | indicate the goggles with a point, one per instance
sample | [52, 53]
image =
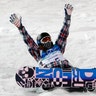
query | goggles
[45, 39]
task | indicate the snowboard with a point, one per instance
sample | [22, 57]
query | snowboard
[50, 78]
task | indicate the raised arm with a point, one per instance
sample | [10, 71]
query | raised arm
[62, 38]
[32, 46]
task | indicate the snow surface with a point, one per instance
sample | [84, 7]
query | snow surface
[39, 16]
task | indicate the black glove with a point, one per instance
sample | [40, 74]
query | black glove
[16, 20]
[68, 11]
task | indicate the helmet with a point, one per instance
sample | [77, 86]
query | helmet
[44, 40]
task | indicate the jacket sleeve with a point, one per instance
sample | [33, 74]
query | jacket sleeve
[62, 38]
[33, 48]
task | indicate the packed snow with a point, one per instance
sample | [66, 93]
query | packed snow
[39, 16]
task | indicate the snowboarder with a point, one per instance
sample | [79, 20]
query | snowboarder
[44, 51]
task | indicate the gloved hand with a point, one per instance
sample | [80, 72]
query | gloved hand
[68, 11]
[16, 20]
